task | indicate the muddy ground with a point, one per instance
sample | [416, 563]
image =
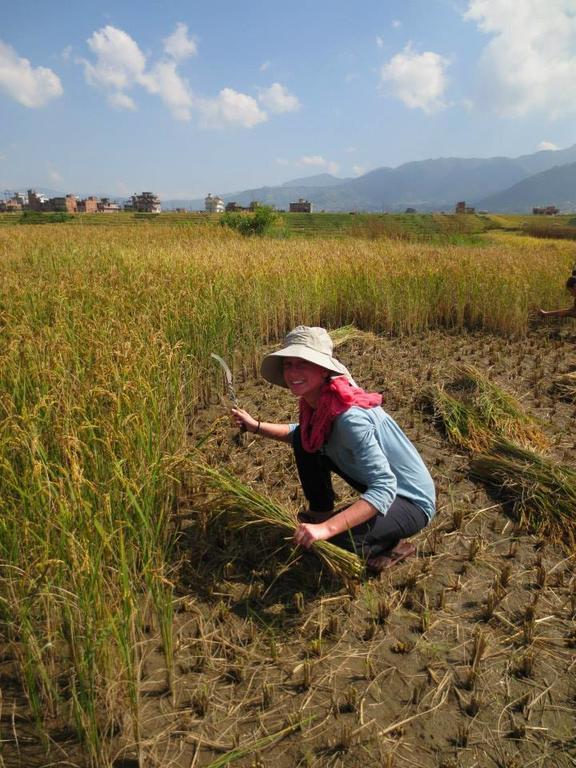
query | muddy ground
[383, 673]
[462, 656]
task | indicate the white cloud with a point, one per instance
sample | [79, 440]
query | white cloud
[379, 42]
[121, 101]
[179, 46]
[359, 170]
[417, 79]
[120, 66]
[529, 63]
[66, 53]
[30, 86]
[278, 99]
[165, 81]
[547, 145]
[119, 61]
[231, 108]
[282, 161]
[265, 66]
[396, 24]
[318, 161]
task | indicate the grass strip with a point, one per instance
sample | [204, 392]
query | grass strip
[245, 506]
[542, 491]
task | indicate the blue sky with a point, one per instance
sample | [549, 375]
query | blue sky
[186, 98]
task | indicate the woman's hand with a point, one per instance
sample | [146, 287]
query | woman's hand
[307, 533]
[243, 420]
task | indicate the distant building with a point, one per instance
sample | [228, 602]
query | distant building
[213, 204]
[89, 205]
[36, 202]
[67, 204]
[549, 210]
[461, 207]
[12, 205]
[107, 206]
[410, 210]
[302, 206]
[233, 207]
[146, 202]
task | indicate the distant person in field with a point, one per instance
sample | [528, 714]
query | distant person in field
[343, 429]
[571, 311]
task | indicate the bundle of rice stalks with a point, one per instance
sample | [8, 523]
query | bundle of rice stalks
[474, 412]
[243, 506]
[542, 491]
[346, 333]
[565, 386]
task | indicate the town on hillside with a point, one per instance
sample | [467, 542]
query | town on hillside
[215, 204]
[145, 202]
[148, 202]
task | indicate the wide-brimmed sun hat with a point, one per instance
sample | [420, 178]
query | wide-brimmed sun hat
[308, 343]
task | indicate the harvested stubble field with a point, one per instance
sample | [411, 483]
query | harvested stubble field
[140, 629]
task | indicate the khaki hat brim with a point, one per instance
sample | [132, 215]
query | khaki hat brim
[272, 370]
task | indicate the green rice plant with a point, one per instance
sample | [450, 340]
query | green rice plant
[565, 386]
[105, 339]
[474, 412]
[541, 490]
[243, 506]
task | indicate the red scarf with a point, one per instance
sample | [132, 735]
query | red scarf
[336, 396]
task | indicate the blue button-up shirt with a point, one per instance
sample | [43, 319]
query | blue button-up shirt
[369, 447]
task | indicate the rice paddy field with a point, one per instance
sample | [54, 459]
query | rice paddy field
[153, 611]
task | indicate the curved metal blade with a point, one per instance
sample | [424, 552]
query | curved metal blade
[228, 376]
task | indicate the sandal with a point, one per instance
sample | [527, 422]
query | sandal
[401, 551]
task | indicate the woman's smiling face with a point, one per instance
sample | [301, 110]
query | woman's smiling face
[304, 379]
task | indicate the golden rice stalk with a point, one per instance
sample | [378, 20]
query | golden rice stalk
[542, 491]
[244, 506]
[346, 333]
[564, 385]
[475, 412]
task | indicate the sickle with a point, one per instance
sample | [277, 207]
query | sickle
[229, 382]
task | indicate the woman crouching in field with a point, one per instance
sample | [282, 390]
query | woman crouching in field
[343, 429]
[571, 311]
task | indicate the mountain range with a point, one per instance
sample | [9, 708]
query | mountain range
[503, 184]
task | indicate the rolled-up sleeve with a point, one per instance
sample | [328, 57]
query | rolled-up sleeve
[366, 462]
